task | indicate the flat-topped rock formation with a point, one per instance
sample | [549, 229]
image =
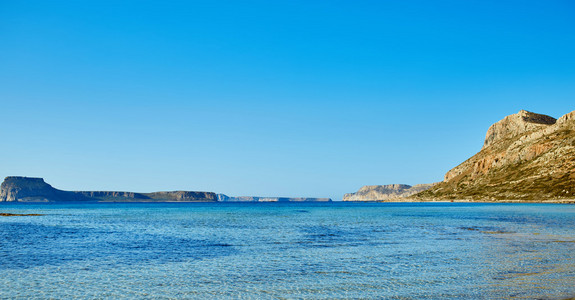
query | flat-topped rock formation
[225, 198]
[174, 196]
[390, 192]
[27, 189]
[525, 156]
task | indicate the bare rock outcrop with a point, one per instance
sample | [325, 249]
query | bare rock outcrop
[516, 124]
[525, 156]
[390, 192]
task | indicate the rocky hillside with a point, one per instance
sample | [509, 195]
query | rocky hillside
[225, 198]
[26, 189]
[391, 192]
[525, 156]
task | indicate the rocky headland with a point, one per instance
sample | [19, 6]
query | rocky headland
[28, 189]
[525, 157]
[390, 192]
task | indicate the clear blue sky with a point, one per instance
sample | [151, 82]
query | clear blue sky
[286, 98]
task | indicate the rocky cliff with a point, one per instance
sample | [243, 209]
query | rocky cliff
[27, 189]
[225, 198]
[391, 192]
[516, 124]
[525, 156]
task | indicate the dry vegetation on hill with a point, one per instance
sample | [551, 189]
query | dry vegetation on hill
[523, 159]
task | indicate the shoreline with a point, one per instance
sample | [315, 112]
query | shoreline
[548, 201]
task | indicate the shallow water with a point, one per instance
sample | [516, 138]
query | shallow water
[288, 250]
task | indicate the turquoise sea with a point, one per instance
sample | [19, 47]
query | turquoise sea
[288, 251]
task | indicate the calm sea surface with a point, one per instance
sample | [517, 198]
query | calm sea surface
[275, 250]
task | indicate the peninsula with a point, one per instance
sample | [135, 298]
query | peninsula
[28, 189]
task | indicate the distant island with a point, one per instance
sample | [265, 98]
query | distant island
[526, 157]
[29, 189]
[225, 198]
[390, 192]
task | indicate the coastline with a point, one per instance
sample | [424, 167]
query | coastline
[518, 201]
[511, 201]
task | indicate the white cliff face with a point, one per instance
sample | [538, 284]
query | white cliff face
[386, 192]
